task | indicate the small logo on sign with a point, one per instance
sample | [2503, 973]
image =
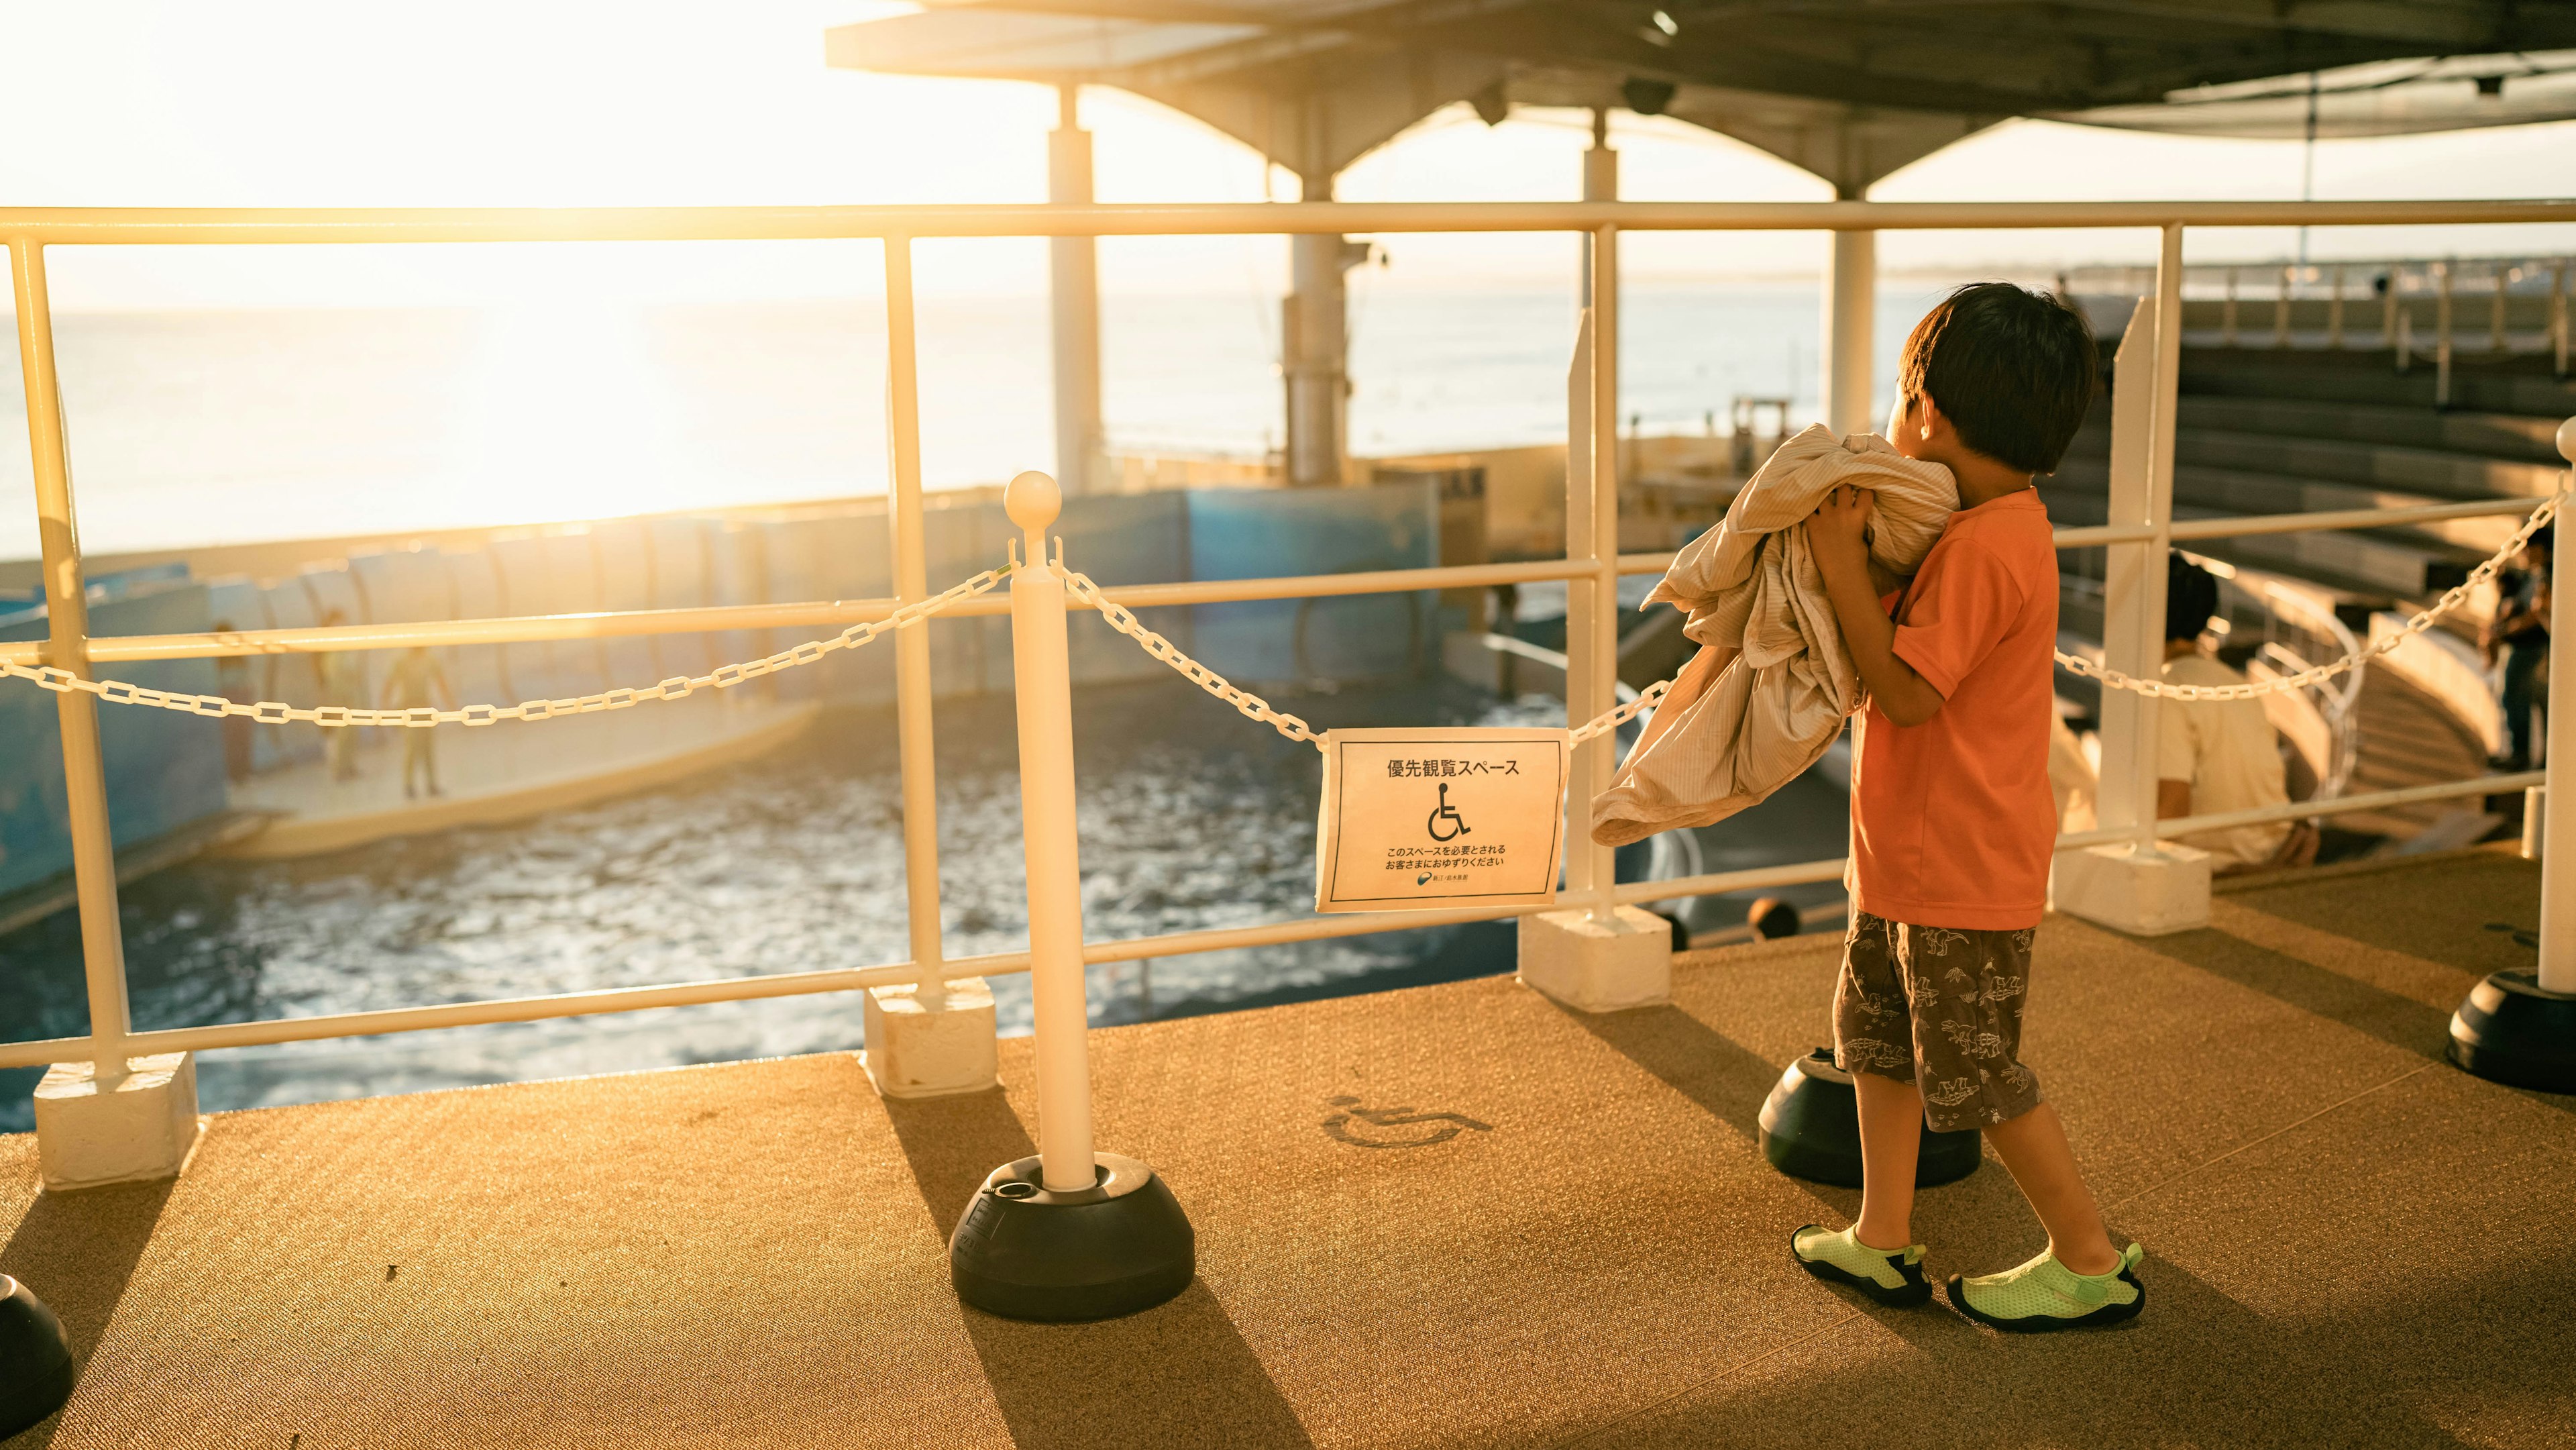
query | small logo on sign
[1364, 1127]
[1446, 814]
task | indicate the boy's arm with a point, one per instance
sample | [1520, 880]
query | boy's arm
[1836, 536]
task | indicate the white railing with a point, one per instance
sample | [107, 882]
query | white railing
[2498, 306]
[2145, 429]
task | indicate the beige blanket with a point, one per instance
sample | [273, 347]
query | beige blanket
[1751, 589]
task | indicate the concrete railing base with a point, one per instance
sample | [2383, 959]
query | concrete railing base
[1596, 966]
[2142, 893]
[140, 1127]
[918, 1051]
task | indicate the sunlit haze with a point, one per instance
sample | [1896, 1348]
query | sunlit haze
[277, 103]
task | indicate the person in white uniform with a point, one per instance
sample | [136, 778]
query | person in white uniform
[2214, 756]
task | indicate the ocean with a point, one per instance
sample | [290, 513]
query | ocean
[208, 427]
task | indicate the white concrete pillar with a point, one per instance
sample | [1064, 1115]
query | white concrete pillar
[1314, 340]
[2138, 886]
[94, 1129]
[1074, 296]
[1851, 315]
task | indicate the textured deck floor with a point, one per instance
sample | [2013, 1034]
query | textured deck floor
[2350, 1242]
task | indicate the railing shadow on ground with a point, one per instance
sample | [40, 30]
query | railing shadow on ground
[1177, 1374]
[77, 1252]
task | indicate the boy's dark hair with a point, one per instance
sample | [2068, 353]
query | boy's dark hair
[2191, 597]
[2013, 371]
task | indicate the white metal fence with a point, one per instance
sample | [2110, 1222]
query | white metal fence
[2140, 529]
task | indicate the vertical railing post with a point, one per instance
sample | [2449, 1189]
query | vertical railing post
[2442, 334]
[2334, 313]
[2557, 968]
[1073, 297]
[2281, 308]
[2558, 322]
[2502, 273]
[935, 1037]
[115, 1118]
[67, 647]
[2139, 886]
[905, 537]
[1595, 653]
[1595, 955]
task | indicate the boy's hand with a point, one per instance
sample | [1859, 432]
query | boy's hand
[1839, 529]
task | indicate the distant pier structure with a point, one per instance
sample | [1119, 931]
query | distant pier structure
[1847, 90]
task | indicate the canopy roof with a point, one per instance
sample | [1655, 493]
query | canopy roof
[1848, 89]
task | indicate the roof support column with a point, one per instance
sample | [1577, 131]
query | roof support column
[1314, 343]
[1074, 291]
[1851, 318]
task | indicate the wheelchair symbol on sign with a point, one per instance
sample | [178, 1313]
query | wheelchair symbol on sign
[1449, 814]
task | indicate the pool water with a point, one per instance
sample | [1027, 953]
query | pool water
[1191, 817]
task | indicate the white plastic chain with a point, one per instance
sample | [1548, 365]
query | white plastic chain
[2422, 620]
[1123, 620]
[678, 687]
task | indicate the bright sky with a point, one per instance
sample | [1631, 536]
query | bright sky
[566, 102]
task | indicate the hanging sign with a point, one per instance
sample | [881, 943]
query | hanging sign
[1418, 820]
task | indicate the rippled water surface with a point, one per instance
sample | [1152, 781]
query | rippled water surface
[1191, 818]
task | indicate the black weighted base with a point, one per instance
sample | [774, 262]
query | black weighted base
[1096, 1253]
[2512, 1030]
[1811, 1130]
[36, 1369]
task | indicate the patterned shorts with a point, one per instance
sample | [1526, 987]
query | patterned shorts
[1942, 1006]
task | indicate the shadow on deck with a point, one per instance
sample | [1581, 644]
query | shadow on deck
[2349, 1241]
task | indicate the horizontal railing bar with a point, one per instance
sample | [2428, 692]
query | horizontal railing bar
[790, 984]
[2094, 536]
[2305, 810]
[155, 226]
[521, 629]
[1714, 883]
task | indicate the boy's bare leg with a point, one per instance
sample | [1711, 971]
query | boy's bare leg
[1891, 1138]
[2033, 1147]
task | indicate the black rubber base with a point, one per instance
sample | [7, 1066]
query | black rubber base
[36, 1369]
[1095, 1253]
[2512, 1031]
[1811, 1129]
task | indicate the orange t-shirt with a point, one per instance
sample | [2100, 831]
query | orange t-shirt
[1952, 819]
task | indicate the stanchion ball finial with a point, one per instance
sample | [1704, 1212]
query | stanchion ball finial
[1033, 500]
[2567, 440]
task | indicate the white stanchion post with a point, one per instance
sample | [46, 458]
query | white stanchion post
[934, 1037]
[2519, 1027]
[1042, 675]
[114, 1118]
[2558, 827]
[1068, 1233]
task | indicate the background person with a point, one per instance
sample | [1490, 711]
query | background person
[2218, 755]
[2518, 636]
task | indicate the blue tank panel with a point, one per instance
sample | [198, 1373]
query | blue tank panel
[349, 675]
[626, 584]
[291, 678]
[478, 674]
[408, 586]
[1259, 533]
[237, 602]
[1125, 539]
[679, 567]
[164, 769]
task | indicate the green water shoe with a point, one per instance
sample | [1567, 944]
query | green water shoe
[1892, 1277]
[2044, 1294]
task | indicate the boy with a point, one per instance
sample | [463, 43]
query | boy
[1952, 817]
